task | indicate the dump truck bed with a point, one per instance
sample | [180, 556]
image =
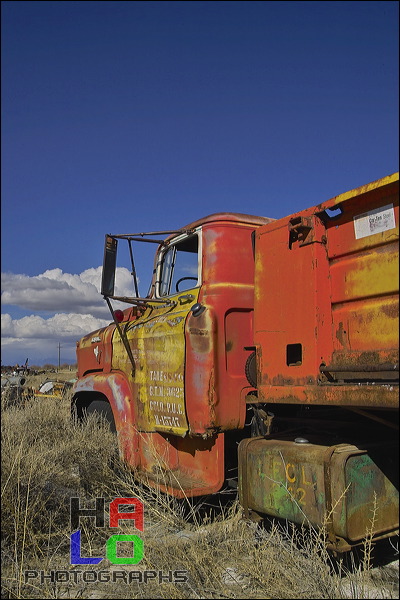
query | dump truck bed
[326, 301]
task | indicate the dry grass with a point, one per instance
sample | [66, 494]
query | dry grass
[47, 459]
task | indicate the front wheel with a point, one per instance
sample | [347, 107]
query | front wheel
[103, 409]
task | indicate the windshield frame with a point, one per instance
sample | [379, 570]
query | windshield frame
[171, 250]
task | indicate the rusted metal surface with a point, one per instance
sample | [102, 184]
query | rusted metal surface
[330, 336]
[343, 487]
[158, 349]
[179, 466]
[94, 351]
[216, 339]
[288, 392]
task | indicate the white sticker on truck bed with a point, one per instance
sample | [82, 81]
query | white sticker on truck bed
[374, 221]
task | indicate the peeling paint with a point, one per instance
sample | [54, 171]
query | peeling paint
[337, 303]
[305, 483]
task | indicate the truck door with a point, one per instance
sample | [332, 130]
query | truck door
[158, 337]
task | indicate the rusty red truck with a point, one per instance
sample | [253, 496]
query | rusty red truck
[264, 356]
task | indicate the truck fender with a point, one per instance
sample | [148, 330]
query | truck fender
[114, 388]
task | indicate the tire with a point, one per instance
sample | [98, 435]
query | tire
[103, 409]
[251, 369]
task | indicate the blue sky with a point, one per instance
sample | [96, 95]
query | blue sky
[120, 117]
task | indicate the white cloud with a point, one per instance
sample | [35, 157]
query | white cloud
[38, 338]
[55, 291]
[67, 326]
[73, 302]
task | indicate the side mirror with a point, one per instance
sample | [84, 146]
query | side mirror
[109, 266]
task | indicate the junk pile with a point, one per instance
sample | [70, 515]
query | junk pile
[12, 389]
[15, 392]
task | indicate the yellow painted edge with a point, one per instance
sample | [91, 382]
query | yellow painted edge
[364, 188]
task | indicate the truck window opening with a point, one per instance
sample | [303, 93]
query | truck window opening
[180, 267]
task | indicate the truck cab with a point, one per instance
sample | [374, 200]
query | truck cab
[171, 367]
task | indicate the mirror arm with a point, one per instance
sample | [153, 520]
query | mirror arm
[123, 337]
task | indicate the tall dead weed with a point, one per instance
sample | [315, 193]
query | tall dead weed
[47, 459]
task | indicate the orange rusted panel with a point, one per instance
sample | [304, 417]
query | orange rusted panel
[326, 301]
[216, 339]
[182, 467]
[94, 351]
